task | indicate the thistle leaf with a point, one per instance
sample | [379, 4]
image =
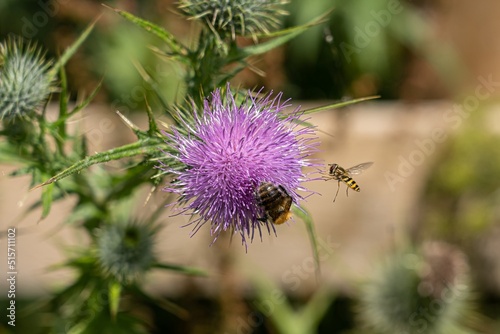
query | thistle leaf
[156, 30]
[181, 269]
[151, 145]
[114, 293]
[70, 51]
[63, 108]
[47, 200]
[281, 37]
[337, 105]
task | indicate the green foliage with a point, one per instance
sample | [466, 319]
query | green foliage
[285, 318]
[461, 197]
[363, 48]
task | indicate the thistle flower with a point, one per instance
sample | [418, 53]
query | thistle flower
[231, 149]
[25, 82]
[242, 17]
[422, 292]
[125, 250]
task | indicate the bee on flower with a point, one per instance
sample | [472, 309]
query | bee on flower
[229, 151]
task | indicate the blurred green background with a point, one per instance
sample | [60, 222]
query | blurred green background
[362, 49]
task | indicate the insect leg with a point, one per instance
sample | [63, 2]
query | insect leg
[338, 188]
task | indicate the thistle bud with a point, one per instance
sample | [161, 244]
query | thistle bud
[420, 292]
[25, 82]
[125, 251]
[236, 17]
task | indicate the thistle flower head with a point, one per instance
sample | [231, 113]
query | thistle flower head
[125, 250]
[420, 292]
[229, 151]
[237, 17]
[25, 82]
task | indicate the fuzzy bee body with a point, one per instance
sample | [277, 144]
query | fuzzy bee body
[344, 175]
[275, 201]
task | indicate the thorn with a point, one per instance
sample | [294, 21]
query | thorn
[164, 124]
[109, 7]
[128, 122]
[149, 195]
[41, 185]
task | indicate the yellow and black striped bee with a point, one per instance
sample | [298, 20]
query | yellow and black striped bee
[275, 201]
[344, 175]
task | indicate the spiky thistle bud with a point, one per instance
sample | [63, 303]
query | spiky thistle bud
[25, 81]
[125, 250]
[420, 292]
[236, 17]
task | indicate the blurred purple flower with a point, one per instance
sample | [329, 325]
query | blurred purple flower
[231, 149]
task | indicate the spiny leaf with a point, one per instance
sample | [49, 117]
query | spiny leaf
[281, 37]
[86, 102]
[324, 17]
[135, 129]
[148, 79]
[158, 31]
[339, 104]
[169, 56]
[69, 52]
[151, 145]
[60, 122]
[153, 127]
[63, 106]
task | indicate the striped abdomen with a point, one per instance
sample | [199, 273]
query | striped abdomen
[350, 182]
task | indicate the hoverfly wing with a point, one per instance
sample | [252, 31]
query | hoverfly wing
[358, 169]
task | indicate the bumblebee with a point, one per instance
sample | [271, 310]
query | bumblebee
[344, 175]
[275, 201]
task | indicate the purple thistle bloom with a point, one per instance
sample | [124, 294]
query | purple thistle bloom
[231, 149]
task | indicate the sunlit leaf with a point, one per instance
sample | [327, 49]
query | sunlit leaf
[47, 200]
[278, 38]
[337, 105]
[152, 146]
[156, 30]
[114, 294]
[80, 106]
[70, 51]
[181, 269]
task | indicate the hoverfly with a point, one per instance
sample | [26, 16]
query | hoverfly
[275, 201]
[344, 175]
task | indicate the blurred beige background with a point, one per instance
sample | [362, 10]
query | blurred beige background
[354, 232]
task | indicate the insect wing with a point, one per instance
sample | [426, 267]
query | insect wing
[358, 169]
